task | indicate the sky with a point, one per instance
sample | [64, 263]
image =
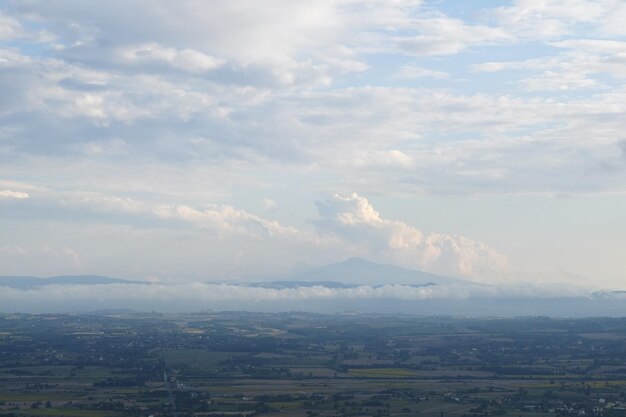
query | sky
[191, 141]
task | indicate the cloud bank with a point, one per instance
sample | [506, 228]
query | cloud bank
[229, 292]
[473, 300]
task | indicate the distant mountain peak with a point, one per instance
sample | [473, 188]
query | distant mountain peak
[357, 260]
[356, 270]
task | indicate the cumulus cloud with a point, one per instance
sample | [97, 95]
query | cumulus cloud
[348, 225]
[353, 217]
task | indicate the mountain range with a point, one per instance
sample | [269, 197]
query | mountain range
[25, 282]
[354, 284]
[357, 271]
[347, 274]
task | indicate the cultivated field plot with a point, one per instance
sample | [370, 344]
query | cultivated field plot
[243, 364]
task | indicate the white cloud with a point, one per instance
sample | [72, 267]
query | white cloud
[393, 159]
[551, 80]
[574, 68]
[542, 19]
[353, 217]
[9, 27]
[187, 59]
[289, 42]
[223, 220]
[408, 72]
[12, 29]
[595, 46]
[18, 195]
[441, 35]
[240, 114]
[227, 219]
[293, 42]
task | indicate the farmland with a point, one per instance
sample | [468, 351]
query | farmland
[295, 364]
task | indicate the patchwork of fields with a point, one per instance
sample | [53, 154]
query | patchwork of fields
[244, 364]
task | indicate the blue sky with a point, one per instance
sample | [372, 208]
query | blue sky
[187, 141]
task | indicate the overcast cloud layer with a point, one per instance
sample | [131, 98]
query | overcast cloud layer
[192, 140]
